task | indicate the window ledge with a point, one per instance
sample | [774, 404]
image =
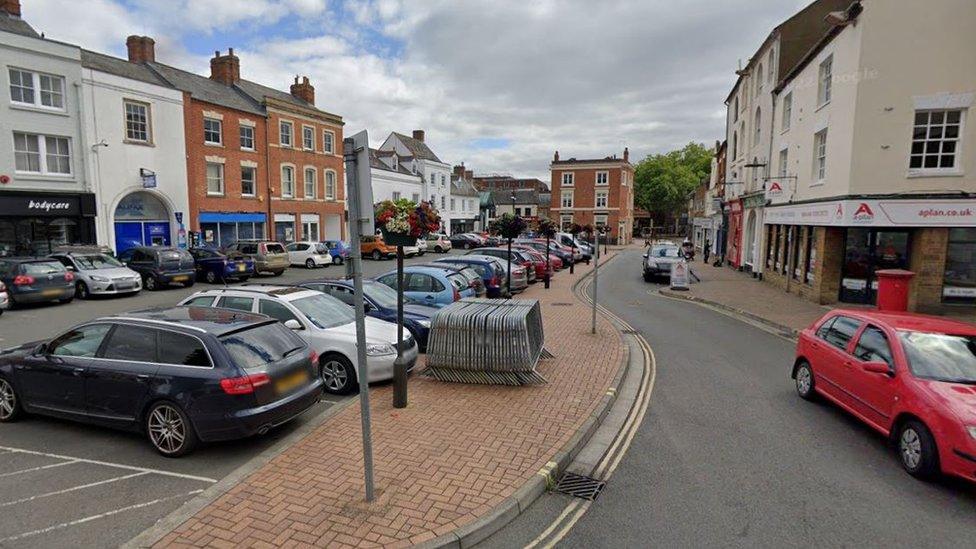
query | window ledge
[249, 196]
[35, 176]
[818, 183]
[37, 108]
[214, 194]
[138, 143]
[784, 131]
[917, 174]
[216, 145]
[250, 150]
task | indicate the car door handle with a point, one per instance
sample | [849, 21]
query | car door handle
[142, 377]
[848, 363]
[78, 371]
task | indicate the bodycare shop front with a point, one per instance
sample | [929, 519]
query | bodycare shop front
[34, 223]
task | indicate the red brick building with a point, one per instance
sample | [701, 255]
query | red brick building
[594, 192]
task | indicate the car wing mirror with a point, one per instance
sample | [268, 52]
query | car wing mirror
[40, 349]
[645, 256]
[367, 307]
[293, 324]
[878, 367]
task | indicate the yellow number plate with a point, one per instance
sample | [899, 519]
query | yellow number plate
[240, 267]
[289, 383]
[181, 278]
[51, 292]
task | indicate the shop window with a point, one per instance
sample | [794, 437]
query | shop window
[770, 238]
[959, 285]
[795, 238]
[810, 256]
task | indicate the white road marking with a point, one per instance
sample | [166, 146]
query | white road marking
[109, 464]
[32, 469]
[74, 488]
[98, 516]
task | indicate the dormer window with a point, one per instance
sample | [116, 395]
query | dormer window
[396, 162]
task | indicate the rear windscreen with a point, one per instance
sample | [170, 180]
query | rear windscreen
[458, 281]
[254, 348]
[42, 268]
[275, 248]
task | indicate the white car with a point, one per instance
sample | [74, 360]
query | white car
[309, 254]
[4, 298]
[421, 246]
[326, 323]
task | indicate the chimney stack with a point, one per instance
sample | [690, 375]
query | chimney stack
[555, 157]
[418, 135]
[626, 154]
[11, 7]
[469, 174]
[303, 90]
[459, 170]
[225, 69]
[142, 49]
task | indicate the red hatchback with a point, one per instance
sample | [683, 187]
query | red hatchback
[911, 377]
[538, 260]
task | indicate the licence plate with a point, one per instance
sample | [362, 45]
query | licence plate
[291, 382]
[180, 278]
[240, 267]
[51, 292]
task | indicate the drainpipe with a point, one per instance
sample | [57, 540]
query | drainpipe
[269, 226]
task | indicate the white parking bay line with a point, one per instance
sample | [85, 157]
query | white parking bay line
[73, 488]
[98, 516]
[32, 469]
[109, 464]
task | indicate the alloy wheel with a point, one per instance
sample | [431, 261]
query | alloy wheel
[211, 277]
[150, 283]
[911, 448]
[334, 375]
[8, 400]
[803, 380]
[167, 431]
[309, 263]
[82, 290]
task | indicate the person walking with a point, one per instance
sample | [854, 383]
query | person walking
[707, 250]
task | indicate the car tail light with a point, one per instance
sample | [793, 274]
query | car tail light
[69, 276]
[23, 280]
[492, 282]
[263, 248]
[457, 295]
[244, 385]
[314, 358]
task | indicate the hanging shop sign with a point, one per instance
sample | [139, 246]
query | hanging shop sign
[40, 205]
[876, 213]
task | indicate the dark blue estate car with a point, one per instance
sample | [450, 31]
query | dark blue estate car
[381, 301]
[180, 375]
[213, 266]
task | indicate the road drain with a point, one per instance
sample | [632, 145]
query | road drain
[579, 486]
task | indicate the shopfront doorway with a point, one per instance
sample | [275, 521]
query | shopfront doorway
[141, 219]
[867, 251]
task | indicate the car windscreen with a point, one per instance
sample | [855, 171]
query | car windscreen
[321, 249]
[97, 261]
[42, 268]
[381, 294]
[324, 310]
[941, 357]
[274, 248]
[664, 251]
[254, 348]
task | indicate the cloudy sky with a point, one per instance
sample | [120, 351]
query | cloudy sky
[498, 85]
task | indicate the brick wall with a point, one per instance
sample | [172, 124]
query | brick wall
[928, 258]
[619, 201]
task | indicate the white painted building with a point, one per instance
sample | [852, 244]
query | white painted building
[392, 180]
[134, 122]
[414, 154]
[464, 202]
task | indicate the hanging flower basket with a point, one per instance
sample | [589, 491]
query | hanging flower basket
[545, 227]
[403, 221]
[508, 226]
[575, 229]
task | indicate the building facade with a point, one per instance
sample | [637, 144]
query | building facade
[464, 201]
[597, 192]
[413, 152]
[876, 164]
[46, 198]
[391, 180]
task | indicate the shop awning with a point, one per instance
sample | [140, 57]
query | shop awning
[232, 217]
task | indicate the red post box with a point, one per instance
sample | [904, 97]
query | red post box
[893, 287]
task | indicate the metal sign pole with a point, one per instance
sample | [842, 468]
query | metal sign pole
[549, 268]
[353, 149]
[399, 368]
[596, 278]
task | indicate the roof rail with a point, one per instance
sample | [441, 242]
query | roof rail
[154, 321]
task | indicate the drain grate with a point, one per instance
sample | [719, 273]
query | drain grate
[579, 486]
[562, 304]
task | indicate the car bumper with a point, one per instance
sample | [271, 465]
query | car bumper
[177, 277]
[322, 259]
[251, 421]
[235, 273]
[114, 287]
[381, 367]
[273, 267]
[4, 301]
[960, 462]
[42, 296]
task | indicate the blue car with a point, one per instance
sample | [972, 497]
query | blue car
[430, 285]
[493, 277]
[215, 267]
[381, 303]
[338, 249]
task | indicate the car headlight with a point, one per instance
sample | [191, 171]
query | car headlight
[97, 278]
[380, 350]
[425, 323]
[972, 430]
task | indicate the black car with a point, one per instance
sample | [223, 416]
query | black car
[465, 241]
[160, 266]
[180, 376]
[32, 280]
[659, 260]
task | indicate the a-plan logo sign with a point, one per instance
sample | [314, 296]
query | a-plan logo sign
[775, 189]
[863, 214]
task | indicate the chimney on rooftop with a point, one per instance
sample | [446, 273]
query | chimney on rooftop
[469, 174]
[11, 7]
[555, 157]
[141, 49]
[303, 90]
[225, 69]
[418, 135]
[626, 154]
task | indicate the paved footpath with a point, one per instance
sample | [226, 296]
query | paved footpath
[449, 458]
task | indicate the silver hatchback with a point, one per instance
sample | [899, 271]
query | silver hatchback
[99, 274]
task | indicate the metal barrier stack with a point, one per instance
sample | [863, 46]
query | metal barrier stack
[486, 341]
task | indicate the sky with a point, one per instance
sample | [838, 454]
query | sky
[497, 85]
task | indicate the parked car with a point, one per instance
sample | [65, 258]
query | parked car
[520, 275]
[4, 298]
[181, 376]
[910, 377]
[565, 255]
[542, 268]
[160, 266]
[492, 275]
[268, 256]
[33, 280]
[309, 254]
[519, 257]
[327, 324]
[439, 242]
[214, 266]
[339, 251]
[659, 260]
[99, 274]
[471, 275]
[566, 239]
[381, 303]
[374, 247]
[466, 241]
[433, 286]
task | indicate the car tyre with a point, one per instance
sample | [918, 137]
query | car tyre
[648, 277]
[211, 277]
[10, 409]
[467, 245]
[805, 383]
[81, 291]
[277, 273]
[169, 430]
[377, 255]
[917, 450]
[150, 283]
[438, 249]
[337, 260]
[338, 375]
[310, 263]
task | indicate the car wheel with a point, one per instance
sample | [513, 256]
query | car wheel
[804, 381]
[917, 450]
[467, 245]
[310, 263]
[438, 249]
[648, 277]
[169, 430]
[10, 408]
[149, 283]
[277, 273]
[211, 277]
[377, 255]
[81, 291]
[337, 260]
[338, 375]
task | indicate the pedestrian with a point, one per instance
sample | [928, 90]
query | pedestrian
[707, 250]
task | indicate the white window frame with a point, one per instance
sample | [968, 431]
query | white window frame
[220, 131]
[314, 182]
[453, 205]
[281, 133]
[757, 132]
[820, 156]
[443, 203]
[563, 203]
[825, 78]
[598, 217]
[957, 167]
[254, 181]
[565, 220]
[287, 168]
[330, 187]
[784, 158]
[787, 112]
[395, 196]
[42, 154]
[37, 91]
[606, 178]
[243, 128]
[148, 115]
[308, 132]
[605, 195]
[330, 141]
[568, 179]
[221, 179]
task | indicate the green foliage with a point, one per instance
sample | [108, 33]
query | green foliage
[662, 182]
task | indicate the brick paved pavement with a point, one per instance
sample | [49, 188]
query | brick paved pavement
[450, 457]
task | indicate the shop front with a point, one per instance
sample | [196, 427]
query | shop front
[284, 227]
[142, 219]
[734, 234]
[220, 229]
[33, 223]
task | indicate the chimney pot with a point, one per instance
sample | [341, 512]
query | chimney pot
[225, 69]
[418, 135]
[141, 49]
[626, 154]
[303, 90]
[555, 157]
[11, 7]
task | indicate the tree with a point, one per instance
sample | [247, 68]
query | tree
[662, 182]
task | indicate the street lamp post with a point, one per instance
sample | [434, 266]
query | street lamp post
[509, 274]
[399, 367]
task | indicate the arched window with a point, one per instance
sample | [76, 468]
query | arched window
[772, 71]
[735, 145]
[759, 79]
[735, 113]
[758, 130]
